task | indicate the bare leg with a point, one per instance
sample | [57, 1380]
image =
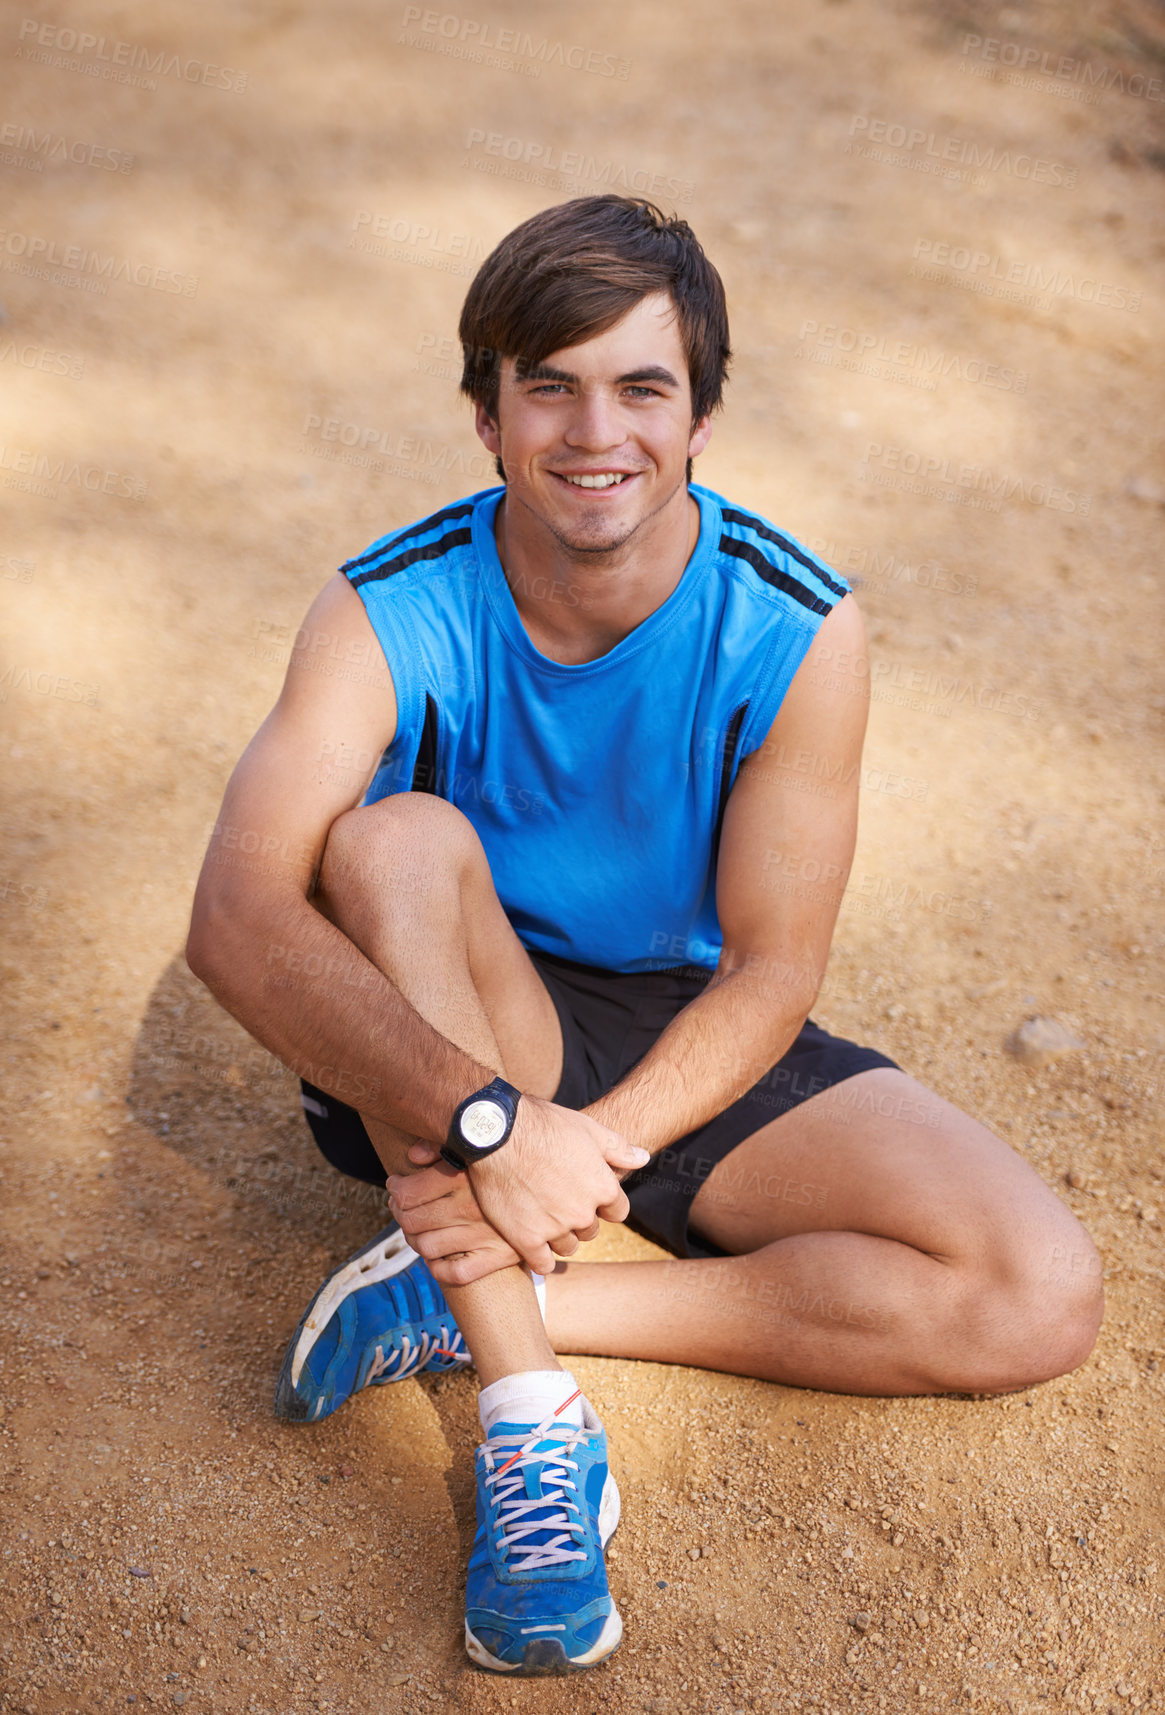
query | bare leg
[407, 881]
[883, 1243]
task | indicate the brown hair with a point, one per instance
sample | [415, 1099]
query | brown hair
[572, 271]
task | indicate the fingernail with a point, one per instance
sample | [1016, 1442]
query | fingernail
[641, 1156]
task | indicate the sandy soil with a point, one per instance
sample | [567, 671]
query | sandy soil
[259, 260]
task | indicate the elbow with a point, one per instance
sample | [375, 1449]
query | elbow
[213, 943]
[201, 942]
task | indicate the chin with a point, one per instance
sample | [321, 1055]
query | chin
[606, 538]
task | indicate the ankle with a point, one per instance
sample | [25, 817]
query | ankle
[530, 1396]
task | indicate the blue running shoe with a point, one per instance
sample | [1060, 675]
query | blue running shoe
[379, 1318]
[537, 1601]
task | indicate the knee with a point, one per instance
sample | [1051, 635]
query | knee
[1033, 1315]
[407, 834]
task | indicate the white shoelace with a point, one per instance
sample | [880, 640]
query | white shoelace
[411, 1358]
[514, 1506]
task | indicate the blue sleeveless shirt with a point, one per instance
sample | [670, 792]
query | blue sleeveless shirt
[597, 789]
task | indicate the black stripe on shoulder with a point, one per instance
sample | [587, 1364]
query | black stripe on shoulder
[774, 575]
[460, 509]
[427, 551]
[760, 528]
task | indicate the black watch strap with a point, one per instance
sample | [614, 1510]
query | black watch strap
[459, 1149]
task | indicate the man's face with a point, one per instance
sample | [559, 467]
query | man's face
[595, 439]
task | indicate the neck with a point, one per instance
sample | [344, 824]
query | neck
[576, 605]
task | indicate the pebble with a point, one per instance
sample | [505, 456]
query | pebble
[898, 1539]
[309, 1614]
[1077, 1180]
[139, 1572]
[1038, 1041]
[861, 1622]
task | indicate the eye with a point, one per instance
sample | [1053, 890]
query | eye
[639, 392]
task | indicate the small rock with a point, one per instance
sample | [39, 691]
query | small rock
[1038, 1041]
[184, 1617]
[860, 1622]
[44, 1274]
[309, 1614]
[202, 1661]
[347, 1471]
[898, 1539]
[1077, 1180]
[693, 1554]
[921, 1617]
[398, 1679]
[139, 1572]
[853, 1655]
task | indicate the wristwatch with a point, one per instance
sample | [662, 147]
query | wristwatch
[481, 1124]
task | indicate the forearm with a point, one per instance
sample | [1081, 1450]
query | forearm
[713, 1051]
[307, 993]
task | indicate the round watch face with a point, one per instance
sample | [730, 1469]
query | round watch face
[483, 1123]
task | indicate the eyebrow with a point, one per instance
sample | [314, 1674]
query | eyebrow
[548, 372]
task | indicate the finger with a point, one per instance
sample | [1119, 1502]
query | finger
[423, 1154]
[431, 1218]
[617, 1210]
[463, 1270]
[584, 1235]
[538, 1257]
[628, 1156]
[409, 1189]
[443, 1212]
[447, 1242]
[566, 1245]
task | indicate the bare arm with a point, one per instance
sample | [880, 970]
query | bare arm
[272, 960]
[784, 861]
[299, 985]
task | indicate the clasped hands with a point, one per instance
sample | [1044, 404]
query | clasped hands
[537, 1198]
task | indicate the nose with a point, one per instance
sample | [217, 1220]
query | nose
[595, 424]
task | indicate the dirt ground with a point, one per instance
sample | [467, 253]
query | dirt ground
[234, 245]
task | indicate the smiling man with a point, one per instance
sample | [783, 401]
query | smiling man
[570, 928]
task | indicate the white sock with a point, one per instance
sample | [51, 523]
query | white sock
[529, 1398]
[540, 1292]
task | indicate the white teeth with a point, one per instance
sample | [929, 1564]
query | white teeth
[605, 480]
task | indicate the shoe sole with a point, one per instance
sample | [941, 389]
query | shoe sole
[385, 1255]
[545, 1658]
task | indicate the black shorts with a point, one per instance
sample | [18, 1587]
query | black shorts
[609, 1020]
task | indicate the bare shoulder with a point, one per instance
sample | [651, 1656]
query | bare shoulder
[337, 665]
[827, 704]
[840, 644]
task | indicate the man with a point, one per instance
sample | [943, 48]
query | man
[573, 932]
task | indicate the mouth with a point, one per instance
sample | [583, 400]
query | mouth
[597, 480]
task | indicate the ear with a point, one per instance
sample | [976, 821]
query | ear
[487, 429]
[701, 435]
